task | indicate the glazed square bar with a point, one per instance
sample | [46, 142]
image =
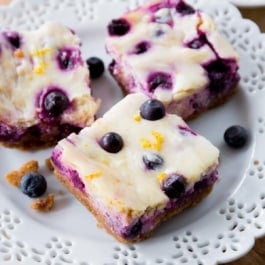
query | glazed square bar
[174, 53]
[136, 167]
[44, 86]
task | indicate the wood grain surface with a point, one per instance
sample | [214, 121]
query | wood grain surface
[257, 255]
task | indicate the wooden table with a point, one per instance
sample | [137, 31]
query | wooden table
[257, 255]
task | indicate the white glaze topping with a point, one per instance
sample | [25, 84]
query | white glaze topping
[121, 179]
[31, 68]
[169, 52]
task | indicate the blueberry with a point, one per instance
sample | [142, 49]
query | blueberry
[159, 79]
[68, 58]
[134, 230]
[141, 47]
[111, 142]
[184, 9]
[222, 74]
[13, 38]
[152, 110]
[33, 184]
[118, 27]
[198, 42]
[174, 186]
[96, 67]
[152, 161]
[236, 136]
[55, 103]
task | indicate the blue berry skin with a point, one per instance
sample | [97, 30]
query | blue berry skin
[96, 67]
[134, 231]
[152, 110]
[14, 39]
[55, 103]
[118, 27]
[236, 136]
[33, 184]
[198, 43]
[153, 161]
[222, 74]
[111, 142]
[142, 47]
[174, 186]
[184, 9]
[68, 58]
[159, 79]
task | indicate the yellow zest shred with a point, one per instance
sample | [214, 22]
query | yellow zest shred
[156, 144]
[40, 69]
[146, 144]
[137, 117]
[161, 177]
[94, 175]
[41, 52]
[19, 53]
[159, 140]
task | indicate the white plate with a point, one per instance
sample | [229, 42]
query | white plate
[220, 229]
[249, 3]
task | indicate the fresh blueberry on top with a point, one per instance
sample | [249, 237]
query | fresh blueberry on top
[96, 67]
[222, 74]
[159, 79]
[152, 110]
[118, 27]
[111, 142]
[141, 47]
[55, 103]
[68, 58]
[174, 186]
[33, 184]
[13, 38]
[184, 9]
[152, 161]
[236, 136]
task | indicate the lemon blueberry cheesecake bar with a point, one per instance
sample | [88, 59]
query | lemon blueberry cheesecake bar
[44, 86]
[136, 167]
[174, 53]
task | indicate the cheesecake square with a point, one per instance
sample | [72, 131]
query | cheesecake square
[136, 167]
[170, 51]
[44, 87]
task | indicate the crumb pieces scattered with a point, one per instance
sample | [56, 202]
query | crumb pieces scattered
[14, 177]
[256, 162]
[49, 164]
[43, 204]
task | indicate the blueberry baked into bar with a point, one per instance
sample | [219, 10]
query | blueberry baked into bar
[44, 87]
[136, 167]
[174, 53]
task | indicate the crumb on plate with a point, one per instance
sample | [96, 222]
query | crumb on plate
[14, 176]
[44, 204]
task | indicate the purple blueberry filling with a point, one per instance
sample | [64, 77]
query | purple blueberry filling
[198, 42]
[159, 80]
[68, 58]
[222, 74]
[9, 133]
[118, 27]
[71, 174]
[184, 9]
[13, 39]
[141, 47]
[184, 130]
[133, 230]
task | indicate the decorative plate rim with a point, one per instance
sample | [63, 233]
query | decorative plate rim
[241, 221]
